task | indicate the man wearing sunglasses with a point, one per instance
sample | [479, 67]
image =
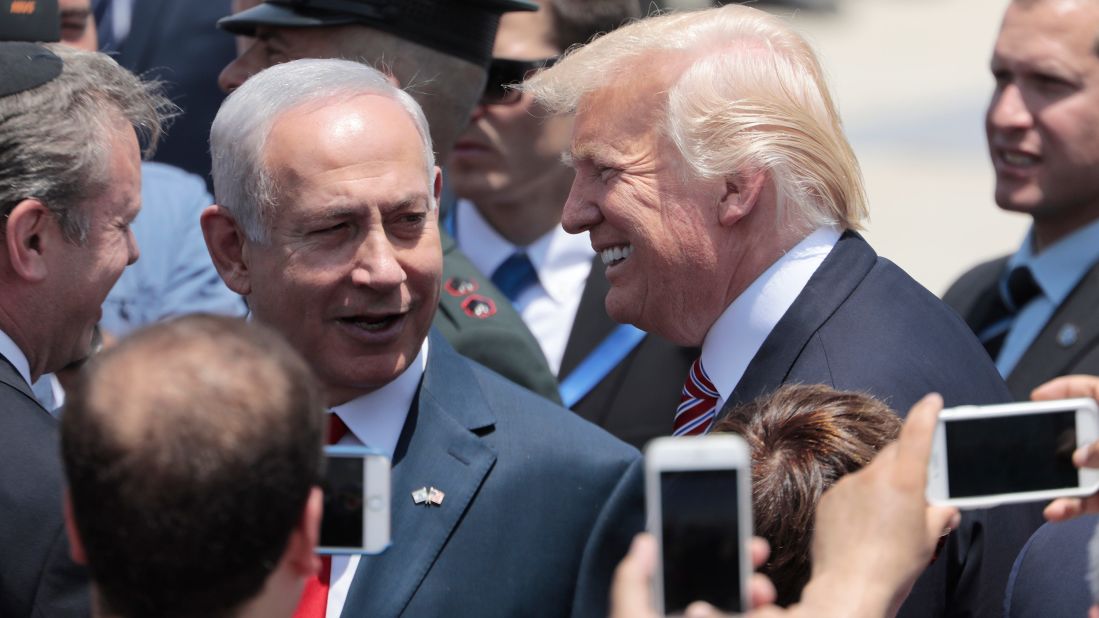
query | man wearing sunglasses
[437, 50]
[506, 168]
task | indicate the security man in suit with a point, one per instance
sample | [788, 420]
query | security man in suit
[69, 189]
[438, 50]
[1035, 310]
[714, 179]
[326, 220]
[507, 168]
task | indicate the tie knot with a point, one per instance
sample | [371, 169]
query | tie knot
[697, 404]
[515, 275]
[1021, 288]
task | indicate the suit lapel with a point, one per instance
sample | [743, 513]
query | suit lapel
[438, 448]
[1049, 356]
[142, 33]
[838, 276]
[10, 376]
[592, 324]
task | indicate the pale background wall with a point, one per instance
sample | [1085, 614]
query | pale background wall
[911, 80]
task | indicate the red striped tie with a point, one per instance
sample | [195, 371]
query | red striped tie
[697, 405]
[314, 599]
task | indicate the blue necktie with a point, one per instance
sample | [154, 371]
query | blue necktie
[515, 275]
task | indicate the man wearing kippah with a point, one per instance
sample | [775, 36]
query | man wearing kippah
[69, 190]
[438, 51]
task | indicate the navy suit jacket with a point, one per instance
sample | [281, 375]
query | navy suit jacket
[1049, 577]
[539, 504]
[636, 400]
[1052, 353]
[863, 324]
[37, 578]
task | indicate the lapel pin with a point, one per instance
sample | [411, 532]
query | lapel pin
[1068, 335]
[428, 496]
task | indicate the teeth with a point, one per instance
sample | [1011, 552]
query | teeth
[614, 255]
[1022, 160]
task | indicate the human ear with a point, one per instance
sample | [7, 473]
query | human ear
[225, 242]
[30, 230]
[741, 194]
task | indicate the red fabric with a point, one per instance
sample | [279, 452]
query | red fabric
[314, 599]
[698, 403]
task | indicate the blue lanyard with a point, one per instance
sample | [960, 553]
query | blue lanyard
[599, 363]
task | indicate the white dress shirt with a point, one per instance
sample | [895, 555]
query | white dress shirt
[737, 335]
[15, 356]
[375, 420]
[562, 260]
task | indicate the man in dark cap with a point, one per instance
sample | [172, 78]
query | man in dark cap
[438, 51]
[69, 189]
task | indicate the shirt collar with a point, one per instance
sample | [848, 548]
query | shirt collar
[15, 356]
[740, 331]
[557, 256]
[377, 418]
[1061, 266]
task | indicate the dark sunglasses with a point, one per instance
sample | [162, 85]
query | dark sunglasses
[503, 73]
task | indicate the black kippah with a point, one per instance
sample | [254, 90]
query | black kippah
[24, 66]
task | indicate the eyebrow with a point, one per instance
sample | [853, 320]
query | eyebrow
[75, 13]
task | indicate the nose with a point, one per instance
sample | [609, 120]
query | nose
[131, 247]
[581, 213]
[477, 113]
[1008, 109]
[239, 70]
[377, 263]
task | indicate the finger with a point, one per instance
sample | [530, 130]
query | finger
[940, 520]
[1067, 508]
[1087, 456]
[914, 443]
[760, 549]
[1065, 387]
[1063, 509]
[761, 591]
[701, 609]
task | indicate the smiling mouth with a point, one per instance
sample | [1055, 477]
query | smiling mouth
[615, 255]
[371, 323]
[1019, 159]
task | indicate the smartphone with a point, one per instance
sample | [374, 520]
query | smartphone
[699, 504]
[356, 517]
[984, 456]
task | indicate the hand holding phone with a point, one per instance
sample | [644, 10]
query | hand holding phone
[698, 497]
[984, 456]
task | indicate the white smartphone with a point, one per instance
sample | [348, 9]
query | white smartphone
[356, 517]
[699, 503]
[984, 456]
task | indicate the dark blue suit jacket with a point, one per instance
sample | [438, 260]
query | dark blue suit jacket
[539, 505]
[1049, 577]
[863, 324]
[37, 578]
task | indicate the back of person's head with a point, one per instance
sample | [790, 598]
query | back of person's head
[803, 439]
[191, 449]
[745, 92]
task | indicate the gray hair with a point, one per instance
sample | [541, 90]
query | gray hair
[55, 139]
[748, 93]
[242, 184]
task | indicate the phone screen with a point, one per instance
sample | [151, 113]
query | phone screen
[342, 522]
[701, 548]
[1011, 454]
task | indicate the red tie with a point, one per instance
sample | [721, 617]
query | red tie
[314, 599]
[697, 405]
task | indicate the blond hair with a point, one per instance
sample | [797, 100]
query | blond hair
[750, 95]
